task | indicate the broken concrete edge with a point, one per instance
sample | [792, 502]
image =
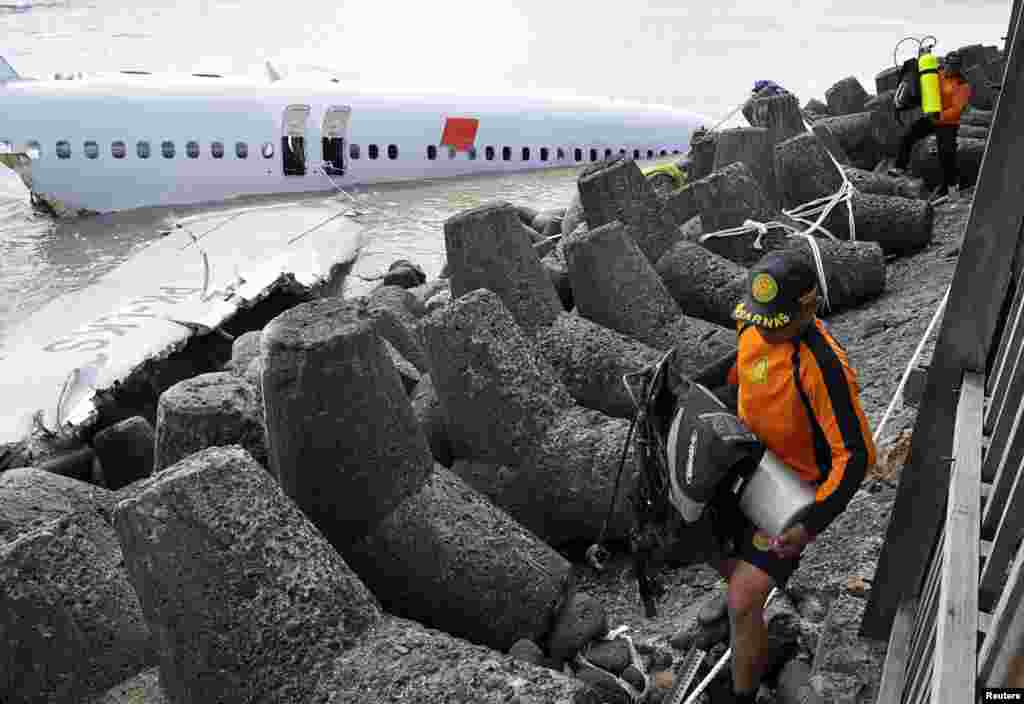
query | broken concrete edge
[125, 397]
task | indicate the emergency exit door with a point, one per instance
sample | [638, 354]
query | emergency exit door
[293, 140]
[334, 136]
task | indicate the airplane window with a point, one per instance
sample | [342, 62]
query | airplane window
[373, 151]
[268, 150]
[489, 153]
[142, 150]
[192, 149]
[578, 153]
[607, 153]
[543, 153]
[34, 149]
[472, 153]
[593, 155]
[241, 150]
[664, 153]
[526, 153]
[63, 149]
[118, 150]
[451, 152]
[168, 149]
[353, 151]
[561, 153]
[506, 153]
[650, 153]
[92, 150]
[636, 153]
[392, 151]
[622, 152]
[431, 152]
[217, 150]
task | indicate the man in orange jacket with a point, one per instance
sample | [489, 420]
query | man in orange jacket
[956, 93]
[795, 389]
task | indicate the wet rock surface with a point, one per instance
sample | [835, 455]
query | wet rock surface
[31, 498]
[583, 620]
[591, 360]
[338, 420]
[229, 571]
[450, 559]
[126, 451]
[244, 349]
[487, 248]
[402, 661]
[70, 622]
[212, 409]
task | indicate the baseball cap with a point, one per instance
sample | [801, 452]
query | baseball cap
[774, 287]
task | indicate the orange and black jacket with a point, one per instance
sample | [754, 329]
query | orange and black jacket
[956, 93]
[816, 426]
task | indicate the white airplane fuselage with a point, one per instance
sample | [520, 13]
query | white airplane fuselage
[125, 141]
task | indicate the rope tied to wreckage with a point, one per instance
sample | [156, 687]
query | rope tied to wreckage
[820, 207]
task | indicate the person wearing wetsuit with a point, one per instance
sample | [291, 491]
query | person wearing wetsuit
[795, 389]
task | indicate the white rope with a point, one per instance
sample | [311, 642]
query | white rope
[898, 395]
[761, 228]
[356, 212]
[748, 226]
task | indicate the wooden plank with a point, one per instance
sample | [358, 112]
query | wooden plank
[918, 689]
[927, 603]
[1008, 530]
[956, 659]
[1005, 636]
[894, 670]
[1007, 467]
[984, 621]
[1014, 12]
[1001, 368]
[922, 643]
[925, 606]
[1006, 416]
[963, 343]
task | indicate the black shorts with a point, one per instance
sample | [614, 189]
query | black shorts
[739, 538]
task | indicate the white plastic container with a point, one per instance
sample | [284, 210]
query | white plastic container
[774, 497]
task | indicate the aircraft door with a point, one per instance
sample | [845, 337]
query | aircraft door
[293, 140]
[333, 138]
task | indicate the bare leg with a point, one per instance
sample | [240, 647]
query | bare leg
[748, 588]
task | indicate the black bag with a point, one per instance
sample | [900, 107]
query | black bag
[706, 446]
[908, 91]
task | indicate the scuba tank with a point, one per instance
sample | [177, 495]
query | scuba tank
[918, 86]
[928, 70]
